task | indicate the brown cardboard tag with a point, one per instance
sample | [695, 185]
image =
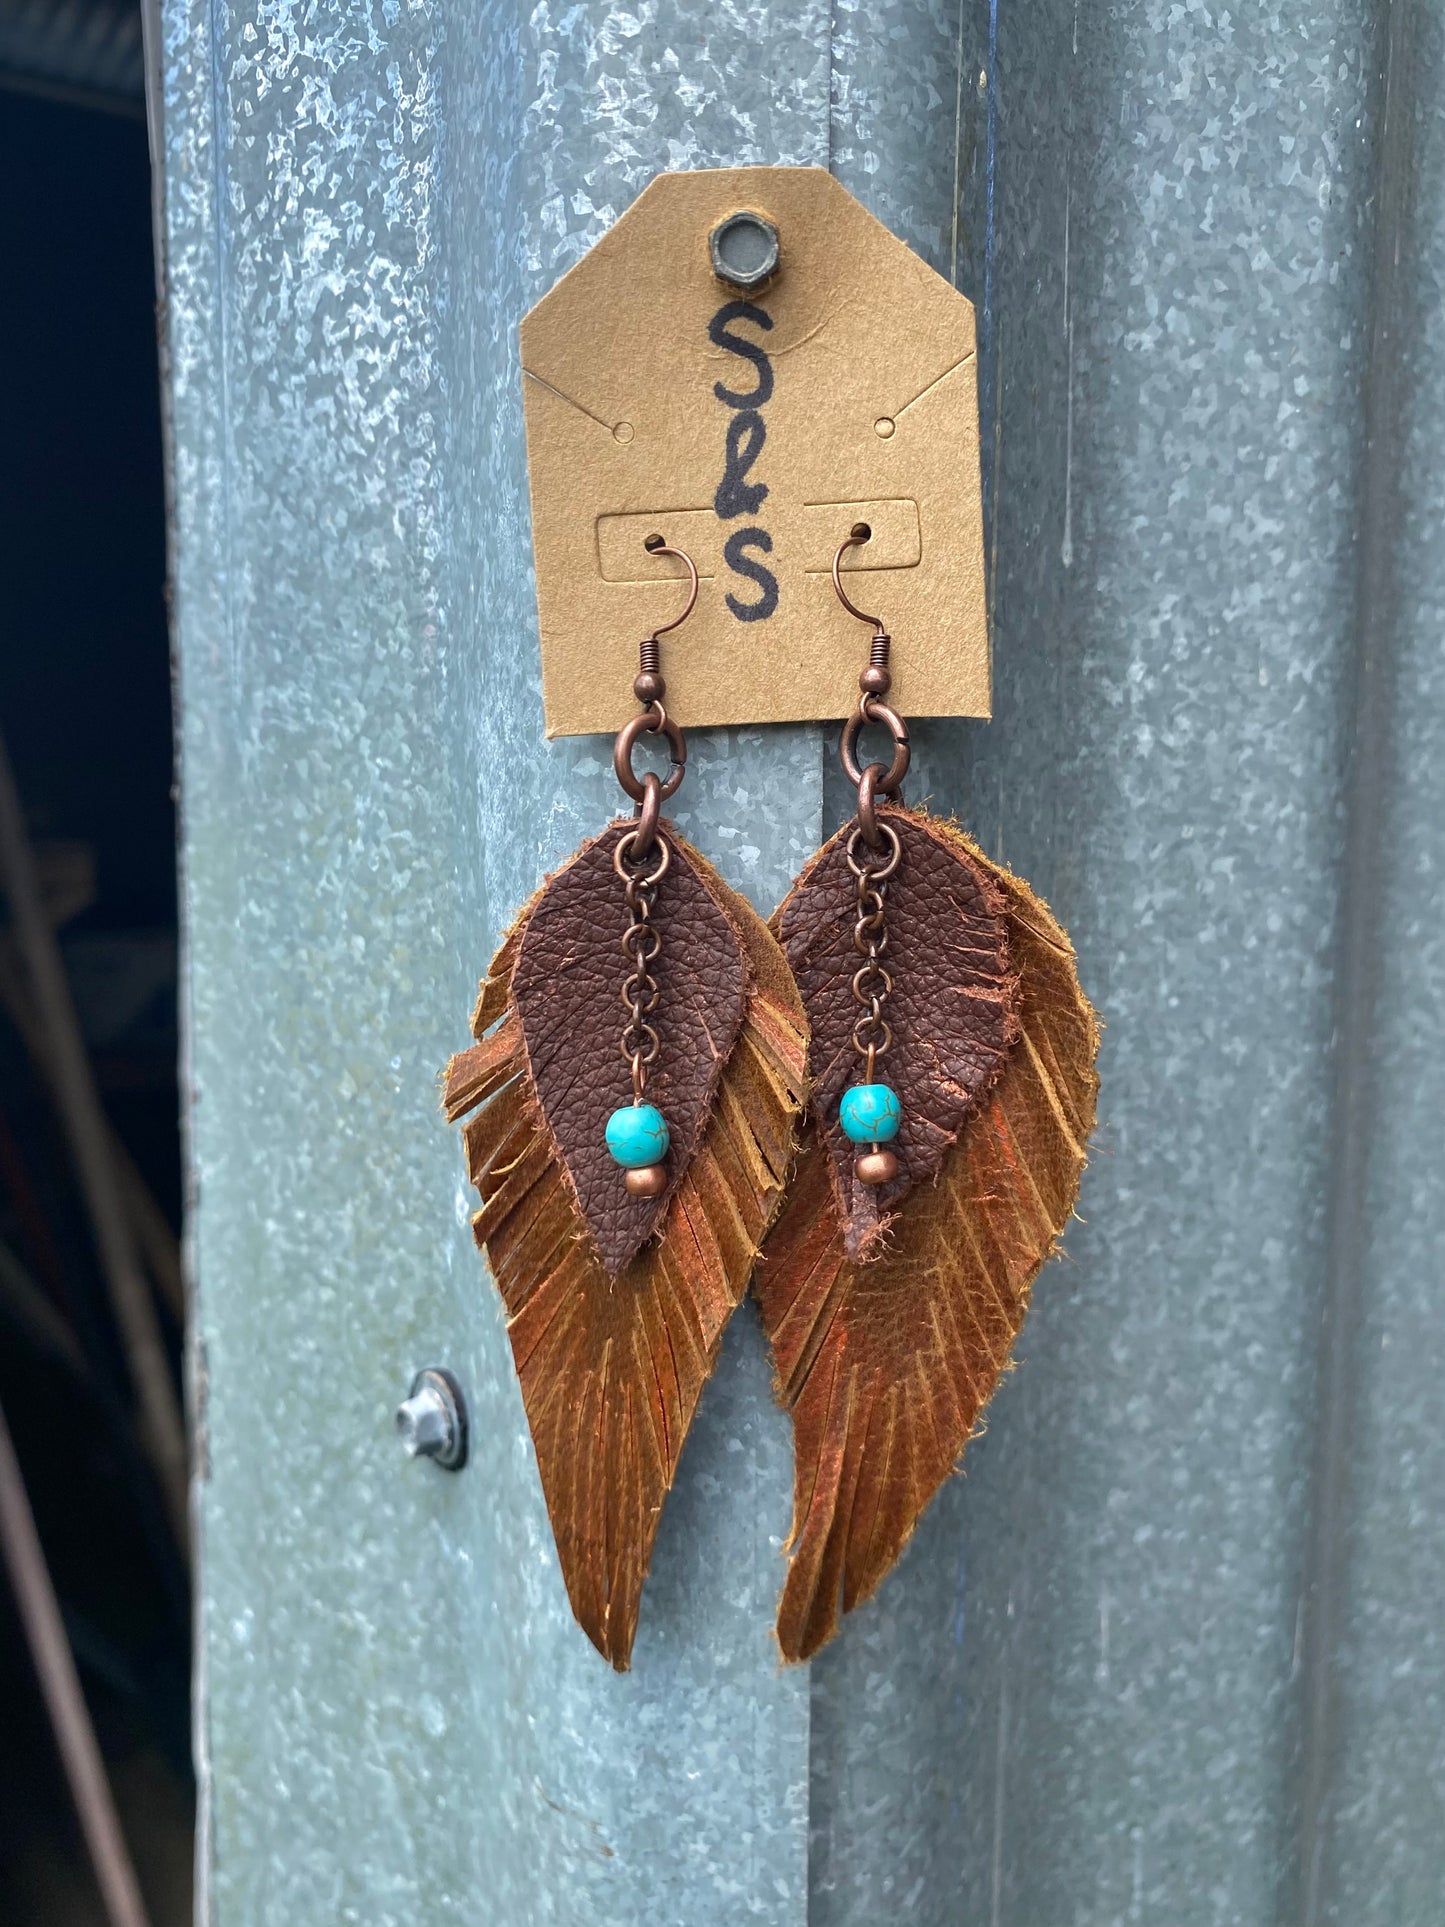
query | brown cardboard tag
[754, 430]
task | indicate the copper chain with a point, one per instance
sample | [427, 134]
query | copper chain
[872, 982]
[641, 945]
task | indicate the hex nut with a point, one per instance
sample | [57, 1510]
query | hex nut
[744, 250]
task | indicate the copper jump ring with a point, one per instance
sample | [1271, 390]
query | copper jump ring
[871, 710]
[647, 816]
[649, 723]
[621, 850]
[868, 805]
[895, 854]
[632, 1041]
[872, 983]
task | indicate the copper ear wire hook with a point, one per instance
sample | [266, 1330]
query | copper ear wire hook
[855, 540]
[664, 548]
[648, 686]
[649, 792]
[873, 684]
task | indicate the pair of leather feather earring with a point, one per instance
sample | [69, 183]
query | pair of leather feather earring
[874, 1111]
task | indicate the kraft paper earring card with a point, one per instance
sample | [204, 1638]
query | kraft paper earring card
[749, 425]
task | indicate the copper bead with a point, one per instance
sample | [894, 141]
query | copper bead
[646, 1180]
[876, 1167]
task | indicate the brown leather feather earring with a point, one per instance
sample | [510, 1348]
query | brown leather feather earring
[953, 1092]
[628, 1164]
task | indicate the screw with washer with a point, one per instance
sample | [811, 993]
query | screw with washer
[431, 1421]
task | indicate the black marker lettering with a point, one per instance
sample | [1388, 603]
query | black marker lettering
[718, 335]
[746, 434]
[734, 554]
[735, 494]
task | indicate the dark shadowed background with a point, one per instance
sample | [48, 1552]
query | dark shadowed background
[86, 714]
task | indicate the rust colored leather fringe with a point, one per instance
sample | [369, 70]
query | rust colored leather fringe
[887, 1361]
[611, 1368]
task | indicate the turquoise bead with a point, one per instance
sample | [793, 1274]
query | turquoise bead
[870, 1113]
[637, 1135]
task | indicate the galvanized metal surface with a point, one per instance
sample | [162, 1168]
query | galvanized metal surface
[348, 264]
[1374, 1851]
[1169, 1652]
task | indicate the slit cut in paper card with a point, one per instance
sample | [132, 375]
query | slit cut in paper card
[755, 427]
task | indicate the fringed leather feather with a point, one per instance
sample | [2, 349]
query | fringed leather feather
[887, 1345]
[615, 1326]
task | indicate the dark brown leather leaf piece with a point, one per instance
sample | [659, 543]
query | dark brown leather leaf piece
[611, 1369]
[567, 991]
[952, 1006]
[886, 1363]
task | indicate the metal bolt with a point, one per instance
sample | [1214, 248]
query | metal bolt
[431, 1421]
[744, 250]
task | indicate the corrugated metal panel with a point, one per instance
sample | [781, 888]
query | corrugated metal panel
[1169, 1652]
[1374, 1849]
